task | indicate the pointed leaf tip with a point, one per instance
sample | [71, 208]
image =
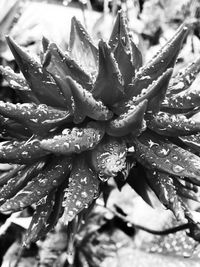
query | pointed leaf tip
[109, 82]
[163, 60]
[131, 121]
[82, 48]
[83, 188]
[86, 105]
[39, 80]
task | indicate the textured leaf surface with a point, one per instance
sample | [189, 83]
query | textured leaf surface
[21, 152]
[52, 175]
[163, 60]
[154, 93]
[173, 124]
[39, 219]
[131, 121]
[19, 180]
[75, 140]
[187, 99]
[60, 65]
[39, 80]
[108, 85]
[109, 157]
[86, 104]
[163, 185]
[184, 78]
[154, 153]
[82, 189]
[39, 118]
[82, 48]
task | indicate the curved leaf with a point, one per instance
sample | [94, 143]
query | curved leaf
[82, 48]
[86, 105]
[131, 121]
[82, 189]
[108, 86]
[76, 140]
[39, 80]
[156, 153]
[41, 185]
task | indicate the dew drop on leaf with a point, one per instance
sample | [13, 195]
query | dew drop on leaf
[177, 168]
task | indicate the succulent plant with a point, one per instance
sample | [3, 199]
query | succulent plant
[90, 114]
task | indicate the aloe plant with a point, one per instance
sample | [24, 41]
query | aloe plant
[90, 114]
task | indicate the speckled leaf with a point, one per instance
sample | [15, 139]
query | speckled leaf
[82, 48]
[120, 44]
[21, 152]
[39, 80]
[163, 186]
[15, 80]
[163, 60]
[184, 78]
[54, 173]
[19, 180]
[56, 212]
[158, 154]
[75, 140]
[120, 30]
[6, 176]
[18, 83]
[123, 57]
[108, 85]
[39, 220]
[187, 99]
[38, 118]
[131, 121]
[109, 157]
[82, 189]
[192, 141]
[136, 55]
[154, 93]
[60, 65]
[172, 124]
[120, 37]
[86, 104]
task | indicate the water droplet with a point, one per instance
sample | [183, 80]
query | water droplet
[43, 182]
[54, 182]
[66, 131]
[154, 164]
[162, 151]
[84, 194]
[129, 224]
[177, 168]
[84, 180]
[78, 204]
[43, 213]
[103, 178]
[174, 157]
[70, 257]
[24, 153]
